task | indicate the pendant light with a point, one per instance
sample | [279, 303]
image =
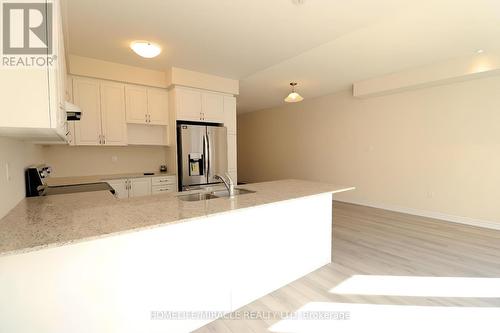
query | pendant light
[293, 97]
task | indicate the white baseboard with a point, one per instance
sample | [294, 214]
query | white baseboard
[433, 215]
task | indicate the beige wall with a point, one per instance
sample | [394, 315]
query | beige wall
[69, 161]
[18, 155]
[86, 161]
[435, 149]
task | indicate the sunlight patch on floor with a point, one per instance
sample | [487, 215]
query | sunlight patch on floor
[419, 286]
[390, 319]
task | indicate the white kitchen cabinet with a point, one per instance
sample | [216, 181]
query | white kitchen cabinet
[199, 105]
[103, 112]
[136, 100]
[230, 114]
[163, 184]
[163, 180]
[146, 105]
[144, 135]
[114, 126]
[139, 187]
[143, 186]
[33, 97]
[120, 186]
[157, 106]
[163, 189]
[88, 130]
[212, 107]
[188, 104]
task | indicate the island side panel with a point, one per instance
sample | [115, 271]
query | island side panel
[217, 263]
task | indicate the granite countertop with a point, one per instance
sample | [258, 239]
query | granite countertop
[62, 181]
[42, 222]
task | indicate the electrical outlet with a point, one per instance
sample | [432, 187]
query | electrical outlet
[114, 159]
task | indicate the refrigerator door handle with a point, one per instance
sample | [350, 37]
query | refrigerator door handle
[208, 155]
[205, 154]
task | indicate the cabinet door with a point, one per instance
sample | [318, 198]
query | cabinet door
[86, 96]
[212, 107]
[114, 124]
[136, 104]
[230, 114]
[158, 106]
[188, 104]
[120, 187]
[140, 187]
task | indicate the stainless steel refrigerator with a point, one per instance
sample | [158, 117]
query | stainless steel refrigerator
[201, 153]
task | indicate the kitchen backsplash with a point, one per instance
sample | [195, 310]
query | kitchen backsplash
[85, 161]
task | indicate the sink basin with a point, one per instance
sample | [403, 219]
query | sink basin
[196, 196]
[212, 195]
[225, 193]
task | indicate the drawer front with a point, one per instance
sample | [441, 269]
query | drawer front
[163, 189]
[163, 180]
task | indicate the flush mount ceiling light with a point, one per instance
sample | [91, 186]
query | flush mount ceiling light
[293, 97]
[145, 49]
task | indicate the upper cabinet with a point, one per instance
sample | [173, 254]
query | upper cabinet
[199, 105]
[146, 105]
[158, 106]
[136, 104]
[188, 104]
[86, 95]
[114, 127]
[32, 99]
[212, 107]
[118, 114]
[103, 112]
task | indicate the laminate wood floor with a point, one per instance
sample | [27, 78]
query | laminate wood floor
[373, 252]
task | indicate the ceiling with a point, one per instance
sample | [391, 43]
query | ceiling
[324, 45]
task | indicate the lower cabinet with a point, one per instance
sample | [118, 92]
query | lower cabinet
[161, 185]
[120, 186]
[139, 187]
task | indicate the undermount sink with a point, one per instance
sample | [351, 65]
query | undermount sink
[212, 195]
[196, 196]
[225, 193]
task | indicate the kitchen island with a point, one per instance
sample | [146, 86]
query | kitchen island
[88, 262]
